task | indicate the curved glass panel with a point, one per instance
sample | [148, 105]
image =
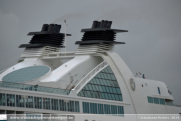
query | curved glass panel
[26, 74]
[103, 86]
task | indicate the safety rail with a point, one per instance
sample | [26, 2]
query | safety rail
[3, 70]
[33, 88]
[91, 74]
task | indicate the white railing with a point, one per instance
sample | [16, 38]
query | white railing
[3, 70]
[90, 75]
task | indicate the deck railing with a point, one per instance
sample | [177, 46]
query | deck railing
[33, 88]
[89, 76]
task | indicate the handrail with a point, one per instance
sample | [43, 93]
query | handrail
[33, 88]
[91, 74]
[3, 70]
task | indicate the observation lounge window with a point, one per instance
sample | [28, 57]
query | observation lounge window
[103, 86]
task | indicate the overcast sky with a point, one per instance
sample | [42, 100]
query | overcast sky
[152, 43]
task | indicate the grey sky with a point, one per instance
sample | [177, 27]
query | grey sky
[152, 43]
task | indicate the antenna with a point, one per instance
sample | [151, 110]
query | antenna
[65, 35]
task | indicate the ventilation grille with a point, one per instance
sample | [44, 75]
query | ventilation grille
[99, 35]
[55, 39]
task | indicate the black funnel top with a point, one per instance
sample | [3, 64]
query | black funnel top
[48, 36]
[100, 32]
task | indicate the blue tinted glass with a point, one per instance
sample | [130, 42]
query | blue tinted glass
[85, 107]
[156, 100]
[26, 74]
[106, 82]
[93, 108]
[107, 109]
[114, 109]
[103, 96]
[120, 110]
[100, 109]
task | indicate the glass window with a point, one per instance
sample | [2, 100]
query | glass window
[150, 99]
[63, 105]
[29, 101]
[10, 99]
[2, 99]
[104, 81]
[100, 109]
[120, 97]
[70, 105]
[156, 100]
[38, 102]
[118, 91]
[54, 104]
[85, 107]
[107, 109]
[162, 101]
[121, 110]
[20, 100]
[114, 109]
[93, 108]
[90, 87]
[46, 103]
[77, 106]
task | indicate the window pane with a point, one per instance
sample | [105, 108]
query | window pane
[100, 109]
[38, 102]
[54, 104]
[20, 100]
[46, 103]
[77, 106]
[113, 109]
[85, 107]
[2, 99]
[63, 105]
[104, 81]
[10, 99]
[106, 109]
[29, 101]
[156, 100]
[70, 105]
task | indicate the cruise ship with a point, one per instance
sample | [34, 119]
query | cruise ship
[92, 83]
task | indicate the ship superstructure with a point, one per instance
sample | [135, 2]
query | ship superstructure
[94, 80]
